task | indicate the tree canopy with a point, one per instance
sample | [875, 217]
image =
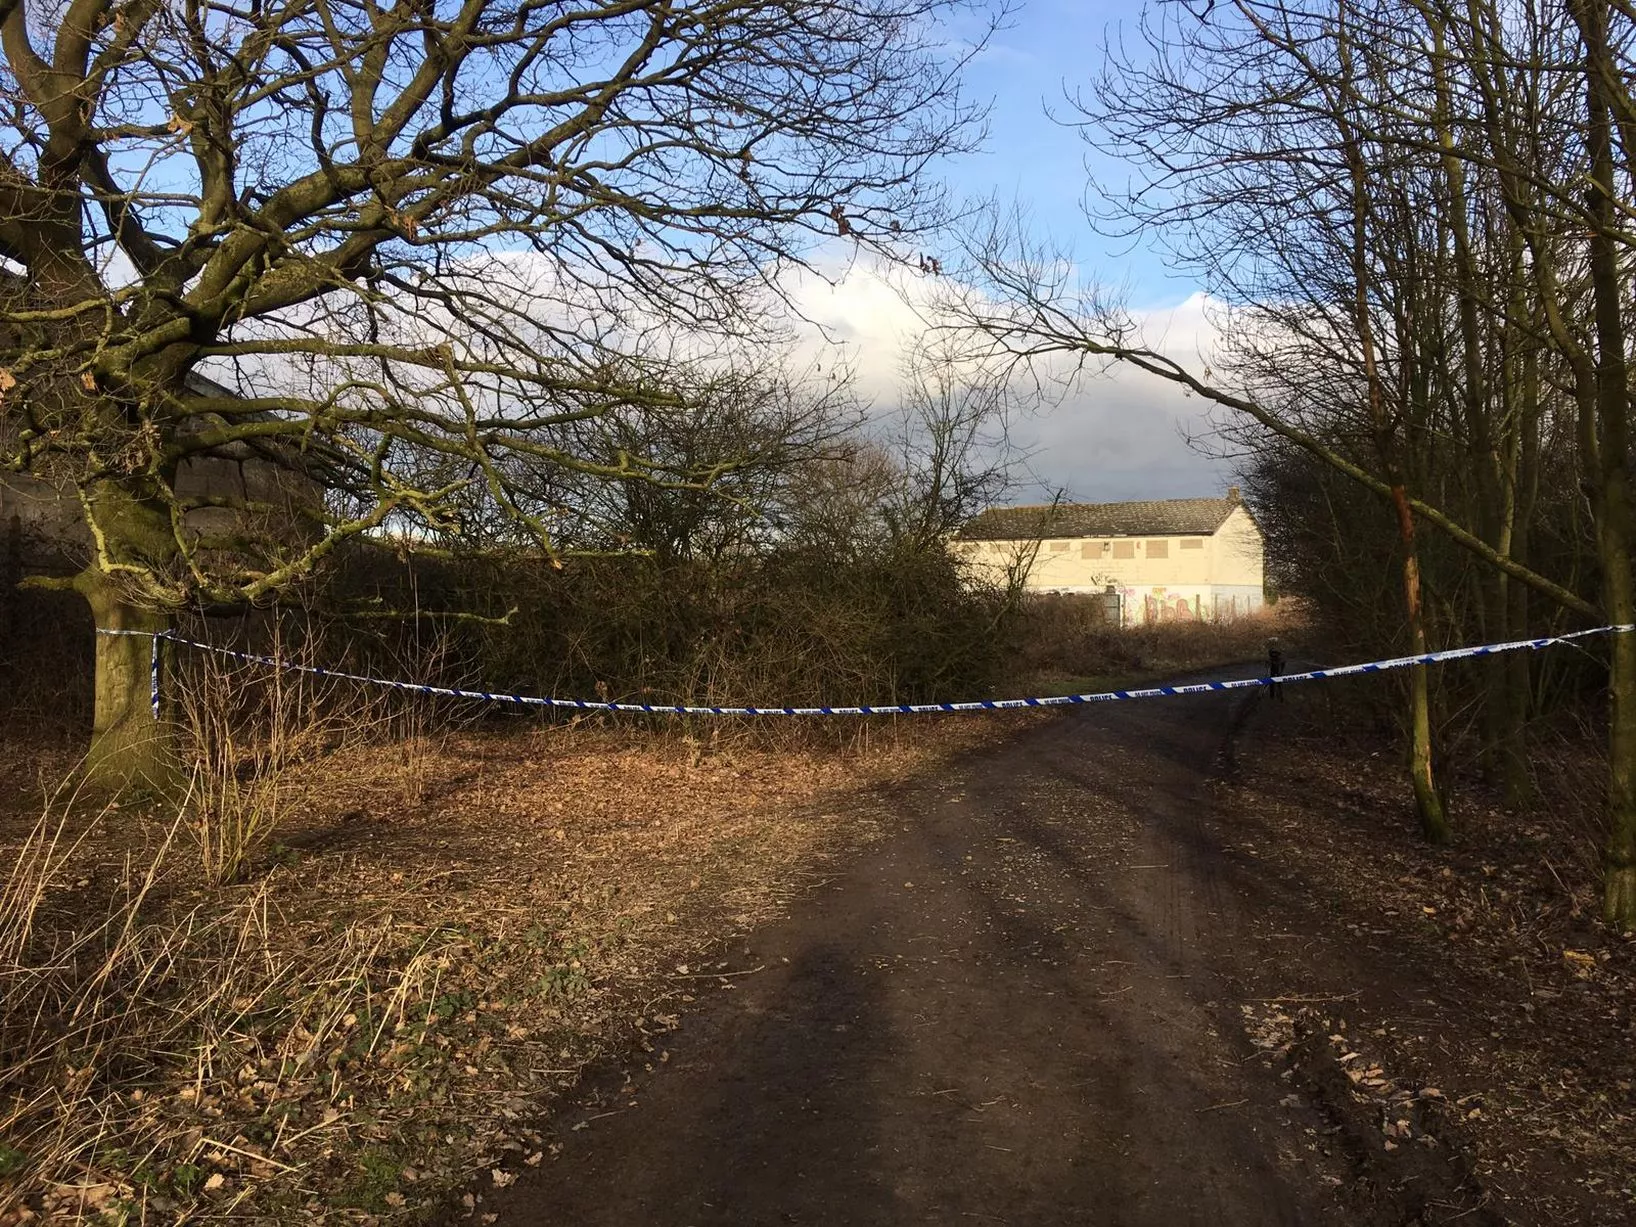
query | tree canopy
[421, 244]
[432, 228]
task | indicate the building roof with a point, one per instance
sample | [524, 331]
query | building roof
[1172, 517]
[203, 385]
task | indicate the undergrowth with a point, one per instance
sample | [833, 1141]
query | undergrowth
[160, 1053]
[1063, 641]
[201, 1056]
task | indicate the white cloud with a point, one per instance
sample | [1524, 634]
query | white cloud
[858, 317]
[1123, 434]
[1113, 435]
[1118, 434]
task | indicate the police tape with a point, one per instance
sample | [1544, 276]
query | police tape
[868, 709]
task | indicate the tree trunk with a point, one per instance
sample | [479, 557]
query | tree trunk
[1615, 538]
[1619, 884]
[11, 575]
[132, 749]
[1516, 775]
[1434, 819]
[1605, 448]
[1515, 694]
[1504, 760]
[1505, 681]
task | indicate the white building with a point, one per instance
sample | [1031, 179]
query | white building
[1166, 559]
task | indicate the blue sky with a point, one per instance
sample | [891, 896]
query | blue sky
[1049, 50]
[1121, 436]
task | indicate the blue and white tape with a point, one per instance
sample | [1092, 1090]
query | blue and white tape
[879, 709]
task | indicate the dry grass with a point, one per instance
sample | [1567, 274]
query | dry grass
[130, 1019]
[240, 752]
[1062, 644]
[408, 973]
[247, 729]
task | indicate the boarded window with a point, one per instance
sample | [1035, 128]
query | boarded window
[1192, 543]
[1124, 549]
[1091, 549]
[1158, 549]
[1058, 547]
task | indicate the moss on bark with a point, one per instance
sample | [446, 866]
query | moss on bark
[133, 749]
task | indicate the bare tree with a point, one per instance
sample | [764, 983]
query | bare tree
[953, 447]
[833, 505]
[1423, 209]
[730, 457]
[427, 231]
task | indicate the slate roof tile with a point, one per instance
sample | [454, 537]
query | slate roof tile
[1175, 517]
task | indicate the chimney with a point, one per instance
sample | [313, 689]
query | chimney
[1232, 495]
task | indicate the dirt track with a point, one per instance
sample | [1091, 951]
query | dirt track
[1033, 1002]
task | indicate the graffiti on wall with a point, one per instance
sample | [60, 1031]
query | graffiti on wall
[1161, 605]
